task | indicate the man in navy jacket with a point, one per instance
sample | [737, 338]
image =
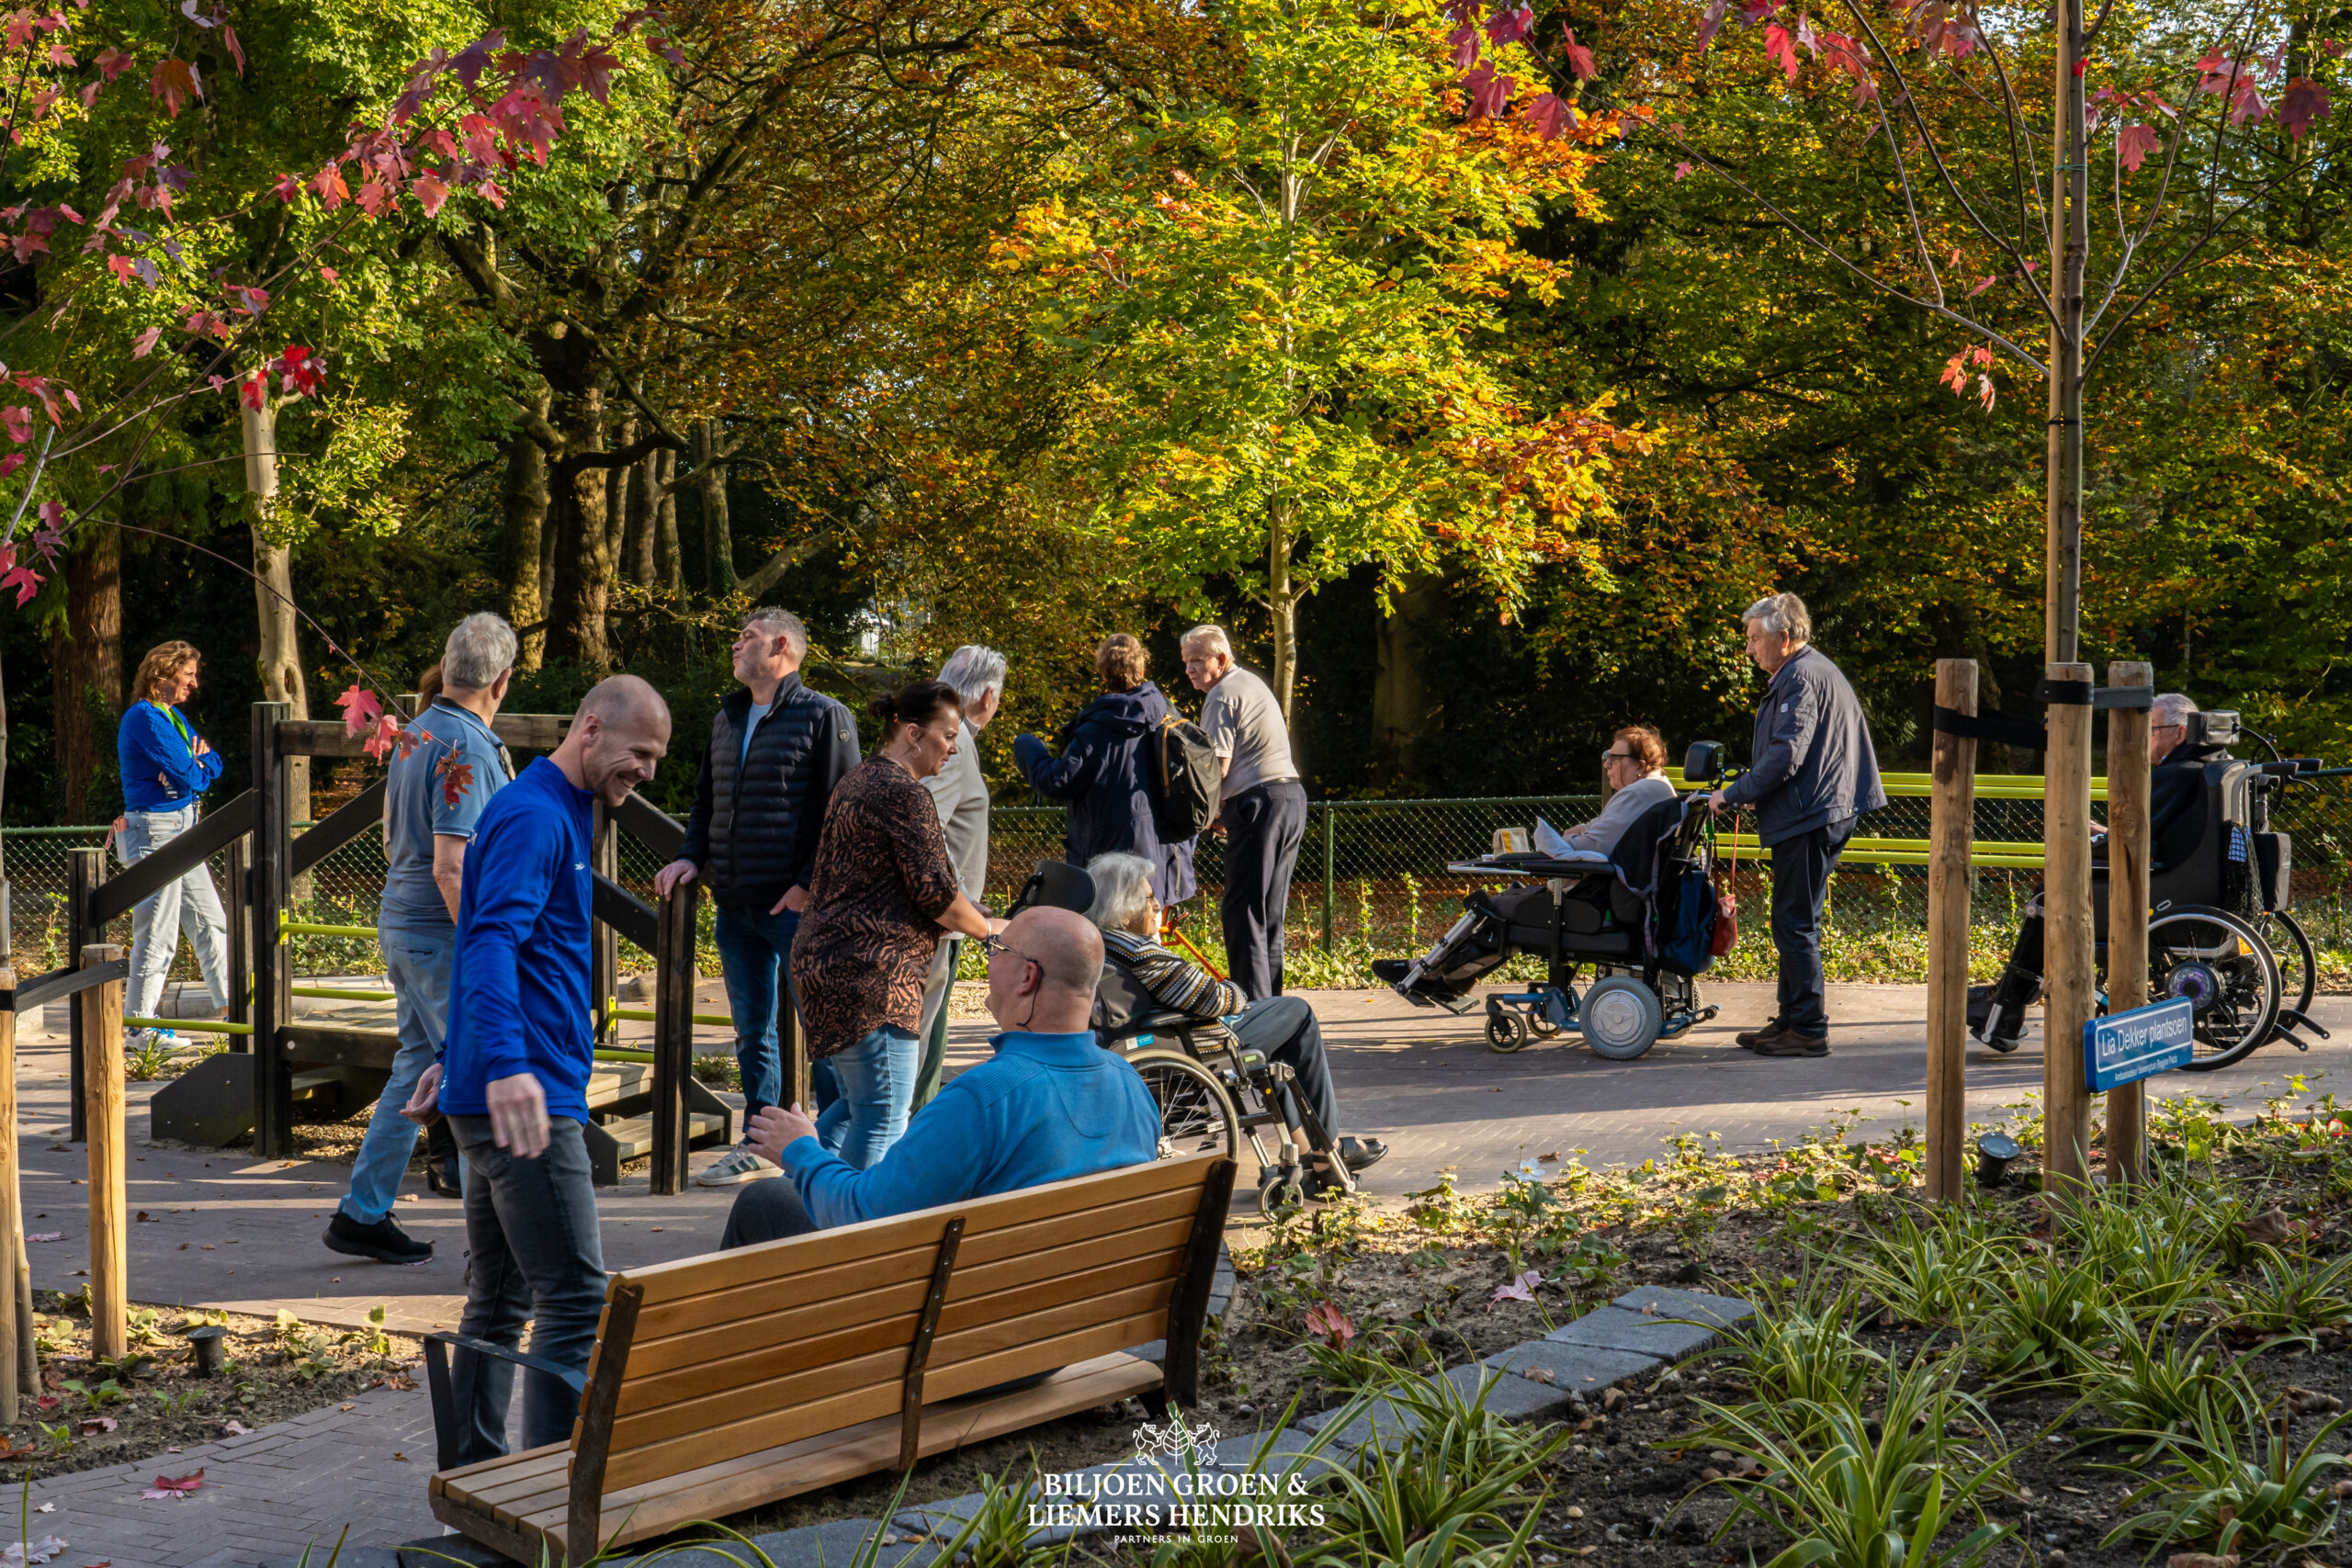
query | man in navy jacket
[514, 1075]
[1813, 772]
[1051, 1104]
[777, 751]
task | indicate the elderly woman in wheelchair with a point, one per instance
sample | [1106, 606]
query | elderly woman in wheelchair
[1631, 904]
[1265, 1058]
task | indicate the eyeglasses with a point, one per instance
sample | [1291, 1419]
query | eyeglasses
[1616, 756]
[992, 945]
[2168, 726]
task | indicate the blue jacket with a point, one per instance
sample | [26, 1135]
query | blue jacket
[161, 771]
[1045, 1107]
[1812, 764]
[519, 999]
[1102, 773]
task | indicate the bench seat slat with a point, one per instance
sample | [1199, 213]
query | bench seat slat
[761, 1364]
[638, 1513]
[483, 1472]
[765, 1324]
[664, 1282]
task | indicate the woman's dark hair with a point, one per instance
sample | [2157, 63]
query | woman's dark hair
[918, 704]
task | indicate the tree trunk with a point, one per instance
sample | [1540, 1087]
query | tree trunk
[85, 664]
[1401, 707]
[524, 503]
[620, 523]
[1282, 605]
[710, 490]
[584, 548]
[2069, 245]
[668, 567]
[645, 519]
[282, 649]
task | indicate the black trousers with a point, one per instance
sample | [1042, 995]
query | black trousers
[1263, 828]
[1801, 868]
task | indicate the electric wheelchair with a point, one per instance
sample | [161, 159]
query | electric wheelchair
[2220, 933]
[1628, 917]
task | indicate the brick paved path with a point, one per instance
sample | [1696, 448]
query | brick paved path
[226, 1230]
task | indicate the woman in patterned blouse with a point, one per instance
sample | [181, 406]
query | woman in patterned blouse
[882, 892]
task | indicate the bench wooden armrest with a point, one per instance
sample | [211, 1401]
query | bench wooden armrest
[445, 1402]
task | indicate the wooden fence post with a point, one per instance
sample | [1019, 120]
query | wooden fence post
[273, 1001]
[674, 1037]
[101, 1009]
[1953, 827]
[12, 1213]
[2127, 910]
[2066, 932]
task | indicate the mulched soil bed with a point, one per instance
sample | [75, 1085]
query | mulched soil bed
[151, 1404]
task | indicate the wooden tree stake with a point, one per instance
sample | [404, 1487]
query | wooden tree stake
[2066, 936]
[1952, 828]
[2127, 910]
[109, 1207]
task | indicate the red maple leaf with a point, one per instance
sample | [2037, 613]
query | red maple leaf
[1580, 59]
[168, 1486]
[361, 708]
[2305, 102]
[380, 739]
[456, 777]
[175, 81]
[2134, 142]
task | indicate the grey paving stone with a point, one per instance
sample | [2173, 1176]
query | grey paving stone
[1702, 1306]
[1575, 1369]
[1510, 1396]
[1614, 1328]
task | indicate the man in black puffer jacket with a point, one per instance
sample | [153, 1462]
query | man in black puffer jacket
[777, 751]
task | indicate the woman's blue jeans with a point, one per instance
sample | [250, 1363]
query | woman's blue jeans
[877, 1083]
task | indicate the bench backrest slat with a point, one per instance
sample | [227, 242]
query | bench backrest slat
[737, 1352]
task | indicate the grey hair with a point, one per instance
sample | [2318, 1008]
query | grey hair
[2170, 707]
[1122, 888]
[774, 622]
[1782, 615]
[480, 649]
[1212, 637]
[973, 672]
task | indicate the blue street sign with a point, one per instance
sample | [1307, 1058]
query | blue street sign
[2125, 1048]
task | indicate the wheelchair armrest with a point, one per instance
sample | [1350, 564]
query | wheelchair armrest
[445, 1403]
[1160, 1021]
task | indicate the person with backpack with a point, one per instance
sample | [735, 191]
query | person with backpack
[1263, 806]
[1112, 756]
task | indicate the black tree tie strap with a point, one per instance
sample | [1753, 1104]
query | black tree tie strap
[2002, 728]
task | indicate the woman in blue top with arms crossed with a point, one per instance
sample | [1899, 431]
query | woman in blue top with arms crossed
[166, 766]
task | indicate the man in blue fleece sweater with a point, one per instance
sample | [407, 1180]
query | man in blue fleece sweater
[1051, 1104]
[514, 1075]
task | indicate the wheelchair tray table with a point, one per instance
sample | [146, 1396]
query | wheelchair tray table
[1546, 866]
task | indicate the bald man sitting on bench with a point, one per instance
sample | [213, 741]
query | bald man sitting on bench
[1051, 1104]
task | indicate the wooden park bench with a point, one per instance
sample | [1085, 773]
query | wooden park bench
[732, 1380]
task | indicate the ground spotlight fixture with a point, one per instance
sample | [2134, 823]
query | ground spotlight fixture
[1995, 1152]
[211, 1343]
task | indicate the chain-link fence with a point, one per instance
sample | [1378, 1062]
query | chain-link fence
[1371, 882]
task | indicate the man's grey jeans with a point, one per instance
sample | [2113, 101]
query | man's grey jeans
[536, 1254]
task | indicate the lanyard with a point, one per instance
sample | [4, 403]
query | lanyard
[181, 724]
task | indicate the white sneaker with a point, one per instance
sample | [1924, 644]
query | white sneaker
[737, 1165]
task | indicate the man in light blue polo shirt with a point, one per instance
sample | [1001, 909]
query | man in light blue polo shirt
[433, 796]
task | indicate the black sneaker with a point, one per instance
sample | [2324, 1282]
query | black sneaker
[1788, 1042]
[384, 1241]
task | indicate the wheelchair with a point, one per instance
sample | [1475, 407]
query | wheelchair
[1213, 1092]
[2220, 933]
[1608, 914]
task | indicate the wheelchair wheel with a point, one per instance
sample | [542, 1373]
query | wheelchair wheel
[1543, 1027]
[2298, 974]
[1196, 1116]
[2226, 970]
[1621, 1017]
[1275, 1193]
[1507, 1032]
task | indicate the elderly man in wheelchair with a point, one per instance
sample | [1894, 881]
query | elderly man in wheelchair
[1640, 914]
[2219, 932]
[1243, 1064]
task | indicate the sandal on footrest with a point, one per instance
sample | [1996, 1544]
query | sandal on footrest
[1363, 1153]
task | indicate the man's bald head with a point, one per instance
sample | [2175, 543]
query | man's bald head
[1044, 978]
[618, 734]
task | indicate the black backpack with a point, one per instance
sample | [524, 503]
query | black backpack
[1183, 777]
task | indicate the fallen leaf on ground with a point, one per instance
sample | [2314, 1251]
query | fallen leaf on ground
[175, 1488]
[346, 1407]
[46, 1508]
[41, 1551]
[2201, 1560]
[404, 1458]
[395, 1379]
[1536, 1374]
[92, 1425]
[44, 1236]
[145, 1216]
[1612, 1399]
[233, 1429]
[46, 1401]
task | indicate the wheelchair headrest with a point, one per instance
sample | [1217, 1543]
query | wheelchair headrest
[2215, 727]
[1703, 763]
[1056, 885]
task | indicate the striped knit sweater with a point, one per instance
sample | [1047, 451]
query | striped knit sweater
[1175, 983]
